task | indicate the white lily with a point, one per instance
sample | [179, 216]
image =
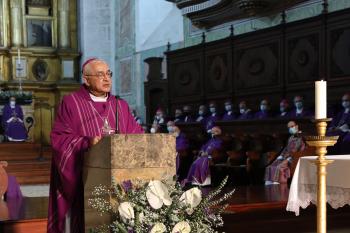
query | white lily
[181, 227]
[126, 211]
[191, 198]
[157, 194]
[158, 228]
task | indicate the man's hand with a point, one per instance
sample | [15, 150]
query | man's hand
[95, 140]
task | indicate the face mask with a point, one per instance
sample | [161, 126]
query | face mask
[212, 110]
[12, 103]
[200, 112]
[153, 130]
[346, 104]
[228, 107]
[293, 130]
[170, 129]
[241, 110]
[282, 109]
[263, 107]
[299, 105]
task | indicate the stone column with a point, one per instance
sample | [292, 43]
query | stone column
[63, 16]
[16, 23]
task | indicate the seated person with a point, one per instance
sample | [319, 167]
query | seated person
[264, 110]
[178, 115]
[244, 112]
[137, 119]
[155, 128]
[202, 114]
[284, 109]
[213, 117]
[340, 127]
[187, 114]
[300, 110]
[159, 118]
[183, 158]
[199, 173]
[12, 121]
[229, 115]
[279, 171]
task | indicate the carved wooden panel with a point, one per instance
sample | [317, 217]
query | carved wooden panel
[340, 53]
[257, 66]
[218, 71]
[185, 77]
[302, 59]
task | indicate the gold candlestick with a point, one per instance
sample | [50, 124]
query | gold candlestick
[321, 141]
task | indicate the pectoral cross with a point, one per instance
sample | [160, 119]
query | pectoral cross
[106, 129]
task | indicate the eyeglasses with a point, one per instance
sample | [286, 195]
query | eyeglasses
[101, 75]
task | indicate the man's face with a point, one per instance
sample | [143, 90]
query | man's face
[97, 77]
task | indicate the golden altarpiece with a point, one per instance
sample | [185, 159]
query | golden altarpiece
[39, 55]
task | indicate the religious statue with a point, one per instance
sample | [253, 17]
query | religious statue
[279, 171]
[229, 115]
[12, 121]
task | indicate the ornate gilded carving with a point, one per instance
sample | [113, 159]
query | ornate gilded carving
[40, 70]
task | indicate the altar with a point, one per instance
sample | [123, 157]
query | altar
[303, 190]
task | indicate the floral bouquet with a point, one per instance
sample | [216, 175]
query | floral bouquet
[159, 206]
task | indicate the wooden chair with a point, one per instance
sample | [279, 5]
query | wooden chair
[308, 151]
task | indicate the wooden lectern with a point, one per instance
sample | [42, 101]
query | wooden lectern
[123, 157]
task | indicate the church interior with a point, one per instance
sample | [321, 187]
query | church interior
[251, 90]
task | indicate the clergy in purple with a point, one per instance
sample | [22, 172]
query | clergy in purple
[82, 119]
[12, 121]
[199, 173]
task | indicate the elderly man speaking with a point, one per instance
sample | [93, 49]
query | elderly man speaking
[82, 119]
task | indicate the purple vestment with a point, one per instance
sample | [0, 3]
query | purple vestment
[343, 144]
[262, 115]
[279, 170]
[12, 121]
[246, 115]
[304, 113]
[228, 116]
[199, 170]
[210, 121]
[182, 163]
[78, 120]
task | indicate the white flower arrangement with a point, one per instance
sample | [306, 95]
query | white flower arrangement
[158, 206]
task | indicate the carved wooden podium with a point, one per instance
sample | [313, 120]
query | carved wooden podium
[123, 157]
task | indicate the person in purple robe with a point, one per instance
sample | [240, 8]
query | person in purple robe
[265, 111]
[12, 122]
[183, 155]
[284, 109]
[300, 111]
[83, 117]
[340, 127]
[178, 116]
[244, 112]
[229, 115]
[279, 170]
[199, 173]
[187, 114]
[213, 117]
[202, 114]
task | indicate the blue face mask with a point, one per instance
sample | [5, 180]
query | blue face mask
[170, 129]
[346, 104]
[228, 107]
[263, 107]
[293, 130]
[212, 110]
[282, 109]
[299, 105]
[200, 112]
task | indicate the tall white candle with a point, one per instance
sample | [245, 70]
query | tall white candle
[320, 99]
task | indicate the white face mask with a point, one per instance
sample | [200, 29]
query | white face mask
[153, 130]
[228, 107]
[12, 103]
[241, 110]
